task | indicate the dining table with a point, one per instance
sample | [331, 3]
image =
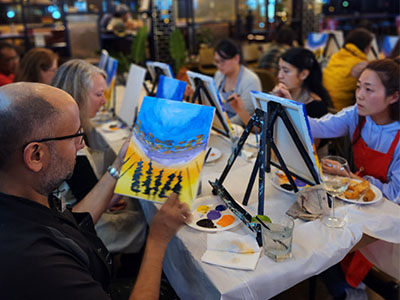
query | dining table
[315, 246]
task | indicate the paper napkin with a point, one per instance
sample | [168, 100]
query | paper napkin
[232, 250]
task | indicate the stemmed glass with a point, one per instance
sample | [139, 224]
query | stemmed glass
[335, 175]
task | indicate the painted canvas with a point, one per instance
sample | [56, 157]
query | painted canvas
[170, 88]
[111, 71]
[167, 150]
[104, 56]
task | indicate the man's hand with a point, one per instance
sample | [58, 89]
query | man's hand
[166, 222]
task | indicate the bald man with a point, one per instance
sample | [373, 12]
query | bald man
[48, 251]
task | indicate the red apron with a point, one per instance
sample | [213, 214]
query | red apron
[376, 164]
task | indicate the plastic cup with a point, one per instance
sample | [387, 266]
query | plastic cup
[277, 240]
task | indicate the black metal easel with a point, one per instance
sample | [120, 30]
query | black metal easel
[197, 95]
[265, 122]
[158, 73]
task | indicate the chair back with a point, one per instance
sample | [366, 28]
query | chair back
[268, 81]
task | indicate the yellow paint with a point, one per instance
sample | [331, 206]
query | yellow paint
[242, 247]
[189, 183]
[203, 209]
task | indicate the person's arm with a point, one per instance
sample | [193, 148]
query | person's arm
[166, 222]
[101, 195]
[358, 69]
[239, 107]
[391, 189]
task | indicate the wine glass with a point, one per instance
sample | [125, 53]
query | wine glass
[335, 175]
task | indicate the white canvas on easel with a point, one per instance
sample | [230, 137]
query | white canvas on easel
[335, 42]
[282, 138]
[132, 94]
[165, 68]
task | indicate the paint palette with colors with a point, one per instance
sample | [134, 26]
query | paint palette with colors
[210, 214]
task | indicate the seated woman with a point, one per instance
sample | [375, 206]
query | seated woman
[233, 79]
[373, 125]
[300, 74]
[37, 65]
[86, 83]
[344, 67]
[374, 128]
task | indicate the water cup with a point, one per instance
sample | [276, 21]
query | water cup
[277, 240]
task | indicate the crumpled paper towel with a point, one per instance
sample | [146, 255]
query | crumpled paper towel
[232, 250]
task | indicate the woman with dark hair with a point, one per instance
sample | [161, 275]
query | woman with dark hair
[373, 125]
[233, 79]
[37, 65]
[300, 74]
[344, 67]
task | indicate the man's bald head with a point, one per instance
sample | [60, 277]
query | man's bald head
[28, 111]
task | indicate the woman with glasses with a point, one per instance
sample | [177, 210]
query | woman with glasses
[37, 65]
[125, 229]
[233, 79]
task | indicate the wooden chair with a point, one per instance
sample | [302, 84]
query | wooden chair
[250, 55]
[206, 61]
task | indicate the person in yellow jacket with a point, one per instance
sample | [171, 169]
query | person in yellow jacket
[341, 74]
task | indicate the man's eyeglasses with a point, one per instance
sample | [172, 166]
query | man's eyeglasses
[79, 134]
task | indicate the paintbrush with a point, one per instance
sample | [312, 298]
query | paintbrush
[207, 154]
[231, 98]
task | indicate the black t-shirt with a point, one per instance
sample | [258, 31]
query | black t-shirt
[83, 178]
[48, 254]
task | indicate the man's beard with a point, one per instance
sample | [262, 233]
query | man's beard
[55, 174]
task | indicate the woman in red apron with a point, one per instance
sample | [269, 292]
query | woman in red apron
[372, 163]
[374, 126]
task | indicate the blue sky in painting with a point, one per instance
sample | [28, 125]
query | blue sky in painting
[170, 88]
[172, 132]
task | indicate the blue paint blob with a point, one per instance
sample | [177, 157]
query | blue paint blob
[220, 207]
[213, 215]
[299, 183]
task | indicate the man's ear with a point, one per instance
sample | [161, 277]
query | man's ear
[33, 156]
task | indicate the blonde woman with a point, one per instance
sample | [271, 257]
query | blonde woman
[86, 83]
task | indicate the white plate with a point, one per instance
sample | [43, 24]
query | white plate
[112, 126]
[212, 202]
[214, 154]
[275, 181]
[378, 196]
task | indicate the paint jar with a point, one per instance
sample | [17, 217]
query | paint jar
[277, 240]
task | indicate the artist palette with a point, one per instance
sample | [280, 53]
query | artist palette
[281, 182]
[210, 214]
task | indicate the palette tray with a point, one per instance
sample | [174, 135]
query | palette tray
[210, 214]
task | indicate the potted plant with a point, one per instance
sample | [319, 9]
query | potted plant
[178, 51]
